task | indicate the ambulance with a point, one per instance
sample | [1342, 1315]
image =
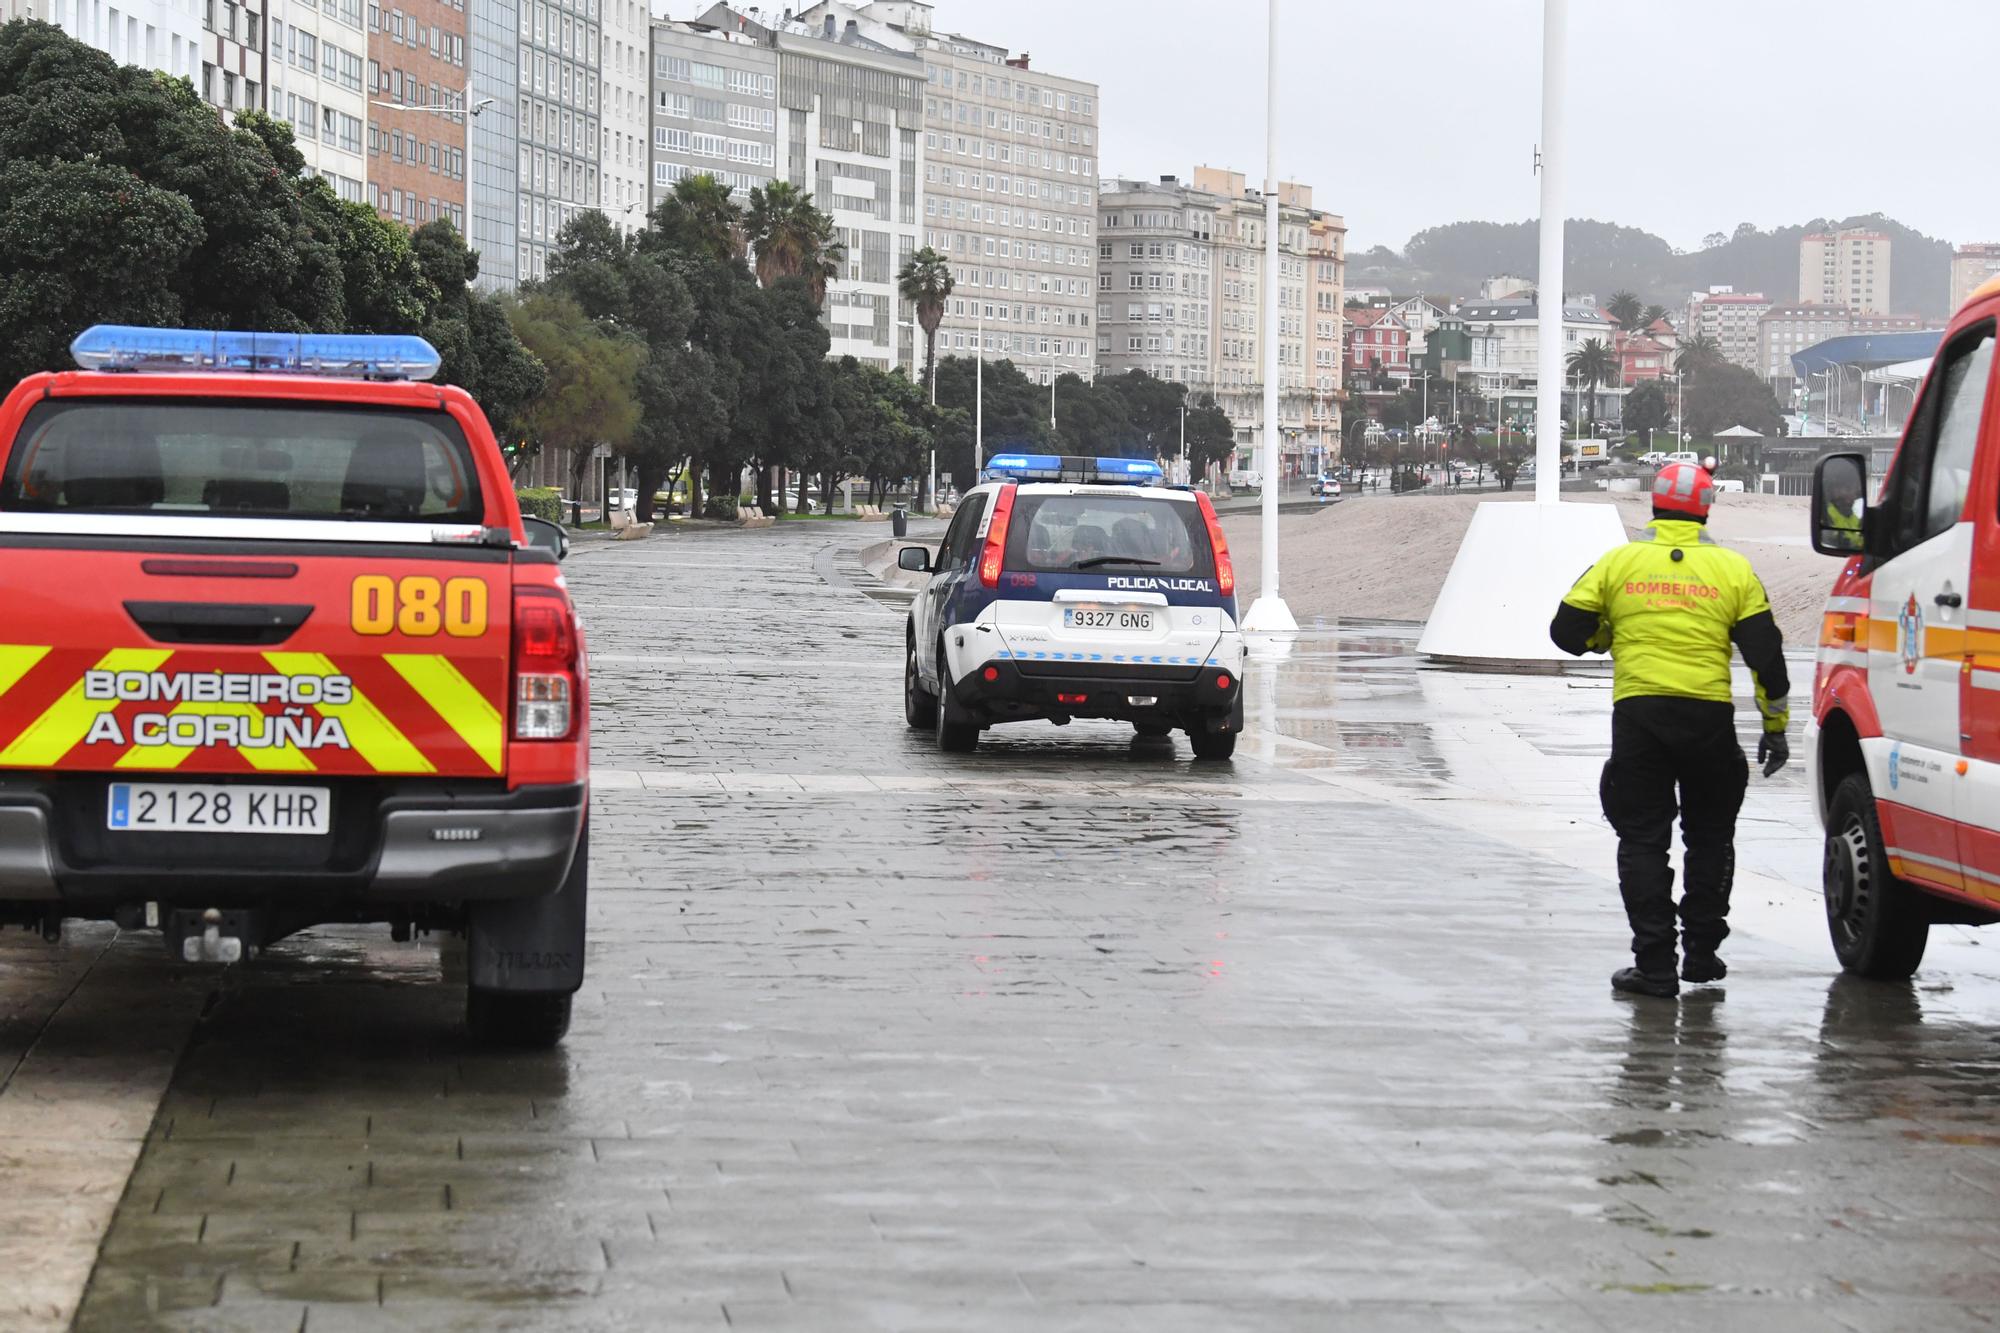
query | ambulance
[1905, 753]
[278, 650]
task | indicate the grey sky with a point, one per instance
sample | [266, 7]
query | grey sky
[1687, 116]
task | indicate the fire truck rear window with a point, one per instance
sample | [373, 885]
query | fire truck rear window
[242, 460]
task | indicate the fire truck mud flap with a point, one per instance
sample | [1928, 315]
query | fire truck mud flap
[532, 945]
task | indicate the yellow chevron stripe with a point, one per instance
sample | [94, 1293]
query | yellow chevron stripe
[67, 721]
[274, 759]
[445, 688]
[17, 660]
[385, 748]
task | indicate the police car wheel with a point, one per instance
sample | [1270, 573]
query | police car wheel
[955, 735]
[510, 1018]
[1877, 921]
[1212, 744]
[920, 706]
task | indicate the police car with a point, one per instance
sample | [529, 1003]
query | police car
[1076, 587]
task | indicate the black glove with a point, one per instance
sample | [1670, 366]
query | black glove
[1773, 752]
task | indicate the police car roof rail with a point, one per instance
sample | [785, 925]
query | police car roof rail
[1074, 468]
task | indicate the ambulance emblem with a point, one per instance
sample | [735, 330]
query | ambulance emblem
[1910, 635]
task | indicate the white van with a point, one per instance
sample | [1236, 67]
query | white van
[1682, 456]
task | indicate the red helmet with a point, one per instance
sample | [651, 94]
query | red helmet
[1683, 488]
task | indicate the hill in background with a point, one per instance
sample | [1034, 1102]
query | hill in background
[1603, 257]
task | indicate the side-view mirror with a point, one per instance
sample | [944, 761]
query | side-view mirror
[546, 536]
[1839, 490]
[916, 559]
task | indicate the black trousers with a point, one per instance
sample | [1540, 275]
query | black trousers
[1673, 756]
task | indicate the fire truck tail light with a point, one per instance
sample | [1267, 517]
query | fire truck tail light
[544, 665]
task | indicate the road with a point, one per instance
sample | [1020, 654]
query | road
[1065, 1035]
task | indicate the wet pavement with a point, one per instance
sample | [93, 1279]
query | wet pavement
[1068, 1034]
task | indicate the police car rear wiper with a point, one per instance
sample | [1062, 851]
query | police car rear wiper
[1097, 560]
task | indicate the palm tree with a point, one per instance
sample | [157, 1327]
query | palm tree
[710, 217]
[925, 282]
[790, 238]
[1625, 311]
[1594, 364]
[1652, 315]
[1698, 352]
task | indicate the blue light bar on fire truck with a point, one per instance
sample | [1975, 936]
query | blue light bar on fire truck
[371, 356]
[1066, 467]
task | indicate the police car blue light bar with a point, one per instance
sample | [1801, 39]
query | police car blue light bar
[1064, 467]
[125, 347]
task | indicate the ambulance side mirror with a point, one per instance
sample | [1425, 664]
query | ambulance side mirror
[1840, 483]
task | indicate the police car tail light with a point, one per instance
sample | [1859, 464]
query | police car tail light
[1225, 573]
[544, 665]
[996, 538]
[125, 347]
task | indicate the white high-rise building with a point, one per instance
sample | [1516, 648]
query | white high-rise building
[158, 34]
[626, 35]
[318, 59]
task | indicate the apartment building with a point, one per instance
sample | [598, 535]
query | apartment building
[417, 57]
[1730, 318]
[1010, 180]
[1849, 267]
[714, 109]
[1326, 272]
[492, 140]
[159, 34]
[557, 116]
[1505, 336]
[1972, 267]
[232, 55]
[623, 154]
[1793, 326]
[1155, 281]
[1210, 231]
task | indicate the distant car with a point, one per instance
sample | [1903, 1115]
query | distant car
[1657, 458]
[1327, 488]
[625, 499]
[1729, 488]
[1248, 481]
[1682, 456]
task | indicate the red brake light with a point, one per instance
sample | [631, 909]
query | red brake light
[996, 537]
[1225, 573]
[544, 665]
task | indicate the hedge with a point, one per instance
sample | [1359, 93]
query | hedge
[541, 502]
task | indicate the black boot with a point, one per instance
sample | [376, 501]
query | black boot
[1700, 967]
[1632, 981]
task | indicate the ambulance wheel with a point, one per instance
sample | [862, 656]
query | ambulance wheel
[1212, 744]
[920, 706]
[527, 1021]
[1877, 921]
[955, 733]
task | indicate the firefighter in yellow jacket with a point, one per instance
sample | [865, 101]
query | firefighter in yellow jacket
[1670, 607]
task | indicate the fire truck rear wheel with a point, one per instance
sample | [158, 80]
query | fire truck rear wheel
[1878, 922]
[511, 1018]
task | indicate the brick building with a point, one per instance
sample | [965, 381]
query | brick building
[416, 157]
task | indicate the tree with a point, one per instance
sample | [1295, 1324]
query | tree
[926, 283]
[1652, 315]
[1723, 396]
[1626, 311]
[1646, 409]
[476, 343]
[1698, 352]
[698, 216]
[591, 394]
[790, 238]
[1594, 364]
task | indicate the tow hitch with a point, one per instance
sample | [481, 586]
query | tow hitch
[210, 935]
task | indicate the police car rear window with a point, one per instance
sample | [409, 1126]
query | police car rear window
[1090, 533]
[242, 460]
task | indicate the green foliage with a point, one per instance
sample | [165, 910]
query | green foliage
[590, 396]
[1646, 409]
[926, 282]
[125, 199]
[792, 239]
[1723, 396]
[541, 502]
[1625, 311]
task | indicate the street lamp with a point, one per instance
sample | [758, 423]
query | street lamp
[1269, 614]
